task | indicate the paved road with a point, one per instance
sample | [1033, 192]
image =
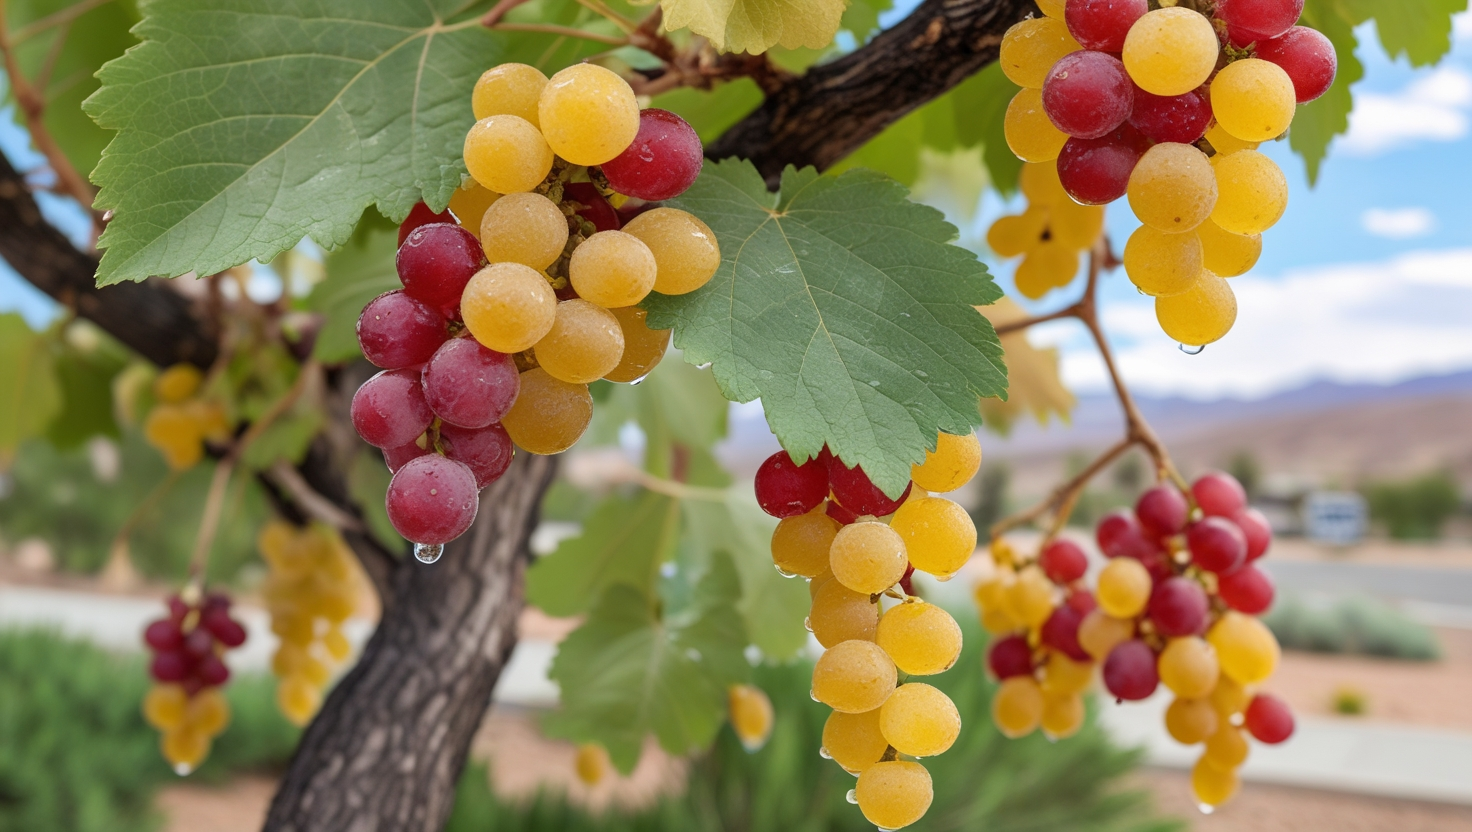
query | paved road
[1435, 585]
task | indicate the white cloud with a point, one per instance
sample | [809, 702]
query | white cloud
[1431, 108]
[1369, 322]
[1462, 27]
[1398, 223]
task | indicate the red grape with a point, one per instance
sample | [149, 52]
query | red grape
[1129, 670]
[1083, 601]
[177, 609]
[436, 261]
[1060, 632]
[1119, 535]
[164, 635]
[395, 457]
[225, 629]
[1162, 510]
[396, 331]
[468, 385]
[597, 210]
[1063, 561]
[421, 215]
[1178, 607]
[1158, 564]
[1248, 590]
[906, 580]
[212, 672]
[432, 499]
[1088, 94]
[1103, 24]
[198, 643]
[486, 450]
[1268, 719]
[389, 410]
[661, 162]
[1097, 171]
[1172, 118]
[1216, 544]
[1010, 656]
[1308, 58]
[1257, 20]
[1256, 529]
[841, 514]
[169, 666]
[786, 489]
[851, 486]
[1219, 494]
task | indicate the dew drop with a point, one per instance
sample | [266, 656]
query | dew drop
[1193, 350]
[874, 383]
[639, 380]
[428, 552]
[705, 366]
[784, 573]
[921, 374]
[1206, 808]
[823, 752]
[883, 829]
[852, 796]
[183, 769]
[944, 578]
[807, 623]
[812, 694]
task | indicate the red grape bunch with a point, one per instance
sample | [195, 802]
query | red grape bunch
[1168, 107]
[527, 289]
[1176, 606]
[188, 670]
[856, 545]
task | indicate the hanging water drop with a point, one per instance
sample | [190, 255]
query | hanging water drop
[852, 796]
[428, 552]
[784, 573]
[1206, 808]
[807, 623]
[823, 752]
[812, 694]
[1193, 350]
[183, 769]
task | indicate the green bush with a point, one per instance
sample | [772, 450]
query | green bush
[984, 782]
[1415, 509]
[75, 753]
[1354, 625]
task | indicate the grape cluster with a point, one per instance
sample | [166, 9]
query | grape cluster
[1168, 107]
[856, 545]
[188, 669]
[1048, 235]
[527, 289]
[312, 588]
[181, 421]
[1174, 606]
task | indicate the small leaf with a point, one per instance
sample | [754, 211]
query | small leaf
[840, 304]
[623, 541]
[287, 438]
[30, 395]
[1033, 383]
[757, 25]
[358, 272]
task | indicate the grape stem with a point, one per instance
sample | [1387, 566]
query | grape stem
[564, 31]
[698, 65]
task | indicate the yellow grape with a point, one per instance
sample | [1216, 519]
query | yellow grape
[523, 228]
[185, 748]
[588, 114]
[839, 614]
[939, 536]
[1028, 130]
[1229, 697]
[1211, 785]
[1030, 600]
[868, 557]
[584, 344]
[210, 418]
[853, 677]
[685, 250]
[1076, 226]
[1017, 234]
[921, 638]
[1101, 632]
[1041, 185]
[549, 414]
[751, 715]
[1190, 721]
[469, 204]
[1052, 8]
[1253, 100]
[1225, 143]
[800, 544]
[208, 712]
[1173, 188]
[894, 794]
[992, 592]
[1162, 264]
[1246, 648]
[1031, 47]
[174, 433]
[819, 581]
[643, 347]
[1253, 193]
[1225, 254]
[919, 720]
[1064, 675]
[298, 699]
[1124, 587]
[1170, 51]
[508, 89]
[164, 706]
[854, 741]
[951, 465]
[1048, 266]
[508, 307]
[1017, 706]
[591, 764]
[1063, 714]
[1201, 314]
[507, 154]
[998, 620]
[1227, 747]
[177, 384]
[337, 644]
[1188, 667]
[612, 269]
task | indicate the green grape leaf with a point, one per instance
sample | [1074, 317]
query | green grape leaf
[629, 670]
[841, 305]
[1316, 123]
[86, 378]
[30, 395]
[981, 103]
[1421, 31]
[368, 479]
[287, 438]
[676, 406]
[862, 17]
[623, 541]
[757, 25]
[358, 272]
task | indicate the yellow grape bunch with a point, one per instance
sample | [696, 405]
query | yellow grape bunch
[313, 586]
[1166, 107]
[857, 546]
[181, 420]
[1049, 235]
[187, 666]
[527, 289]
[1174, 605]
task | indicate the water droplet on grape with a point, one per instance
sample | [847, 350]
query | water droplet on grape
[1193, 350]
[183, 769]
[812, 694]
[428, 552]
[807, 623]
[823, 752]
[1206, 808]
[852, 796]
[944, 578]
[784, 573]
